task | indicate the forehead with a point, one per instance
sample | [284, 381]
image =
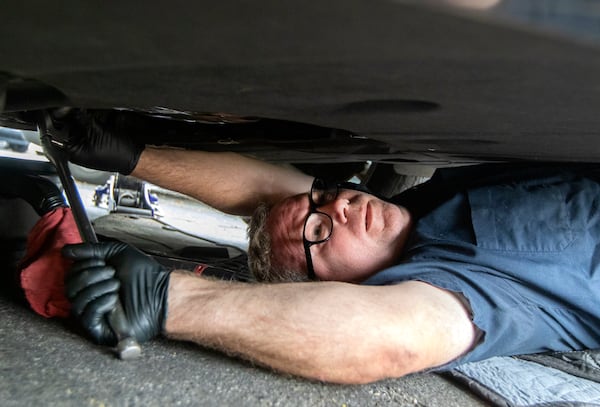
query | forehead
[285, 223]
[289, 211]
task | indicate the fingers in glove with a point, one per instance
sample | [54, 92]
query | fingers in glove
[82, 251]
[94, 321]
[82, 264]
[80, 278]
[86, 299]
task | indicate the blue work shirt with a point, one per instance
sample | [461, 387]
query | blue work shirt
[524, 254]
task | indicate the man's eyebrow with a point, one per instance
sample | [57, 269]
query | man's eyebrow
[292, 211]
[301, 209]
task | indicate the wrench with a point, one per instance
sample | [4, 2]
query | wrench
[127, 347]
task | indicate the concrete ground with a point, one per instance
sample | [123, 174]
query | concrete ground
[46, 363]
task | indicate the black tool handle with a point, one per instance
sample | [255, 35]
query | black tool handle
[127, 347]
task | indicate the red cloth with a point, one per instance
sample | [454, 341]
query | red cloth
[43, 268]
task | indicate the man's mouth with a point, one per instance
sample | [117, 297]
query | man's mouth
[368, 216]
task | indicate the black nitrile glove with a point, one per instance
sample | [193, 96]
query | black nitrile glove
[105, 272]
[95, 139]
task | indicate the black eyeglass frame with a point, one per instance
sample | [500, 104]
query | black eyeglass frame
[329, 192]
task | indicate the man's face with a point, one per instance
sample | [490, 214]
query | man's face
[368, 235]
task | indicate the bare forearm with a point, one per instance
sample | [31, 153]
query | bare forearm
[316, 330]
[229, 182]
[262, 325]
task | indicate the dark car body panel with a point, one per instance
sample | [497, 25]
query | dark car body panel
[430, 83]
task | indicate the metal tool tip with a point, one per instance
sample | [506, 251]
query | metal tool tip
[128, 349]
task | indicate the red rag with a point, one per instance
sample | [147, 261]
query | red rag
[43, 268]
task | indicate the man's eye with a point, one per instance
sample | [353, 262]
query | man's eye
[318, 227]
[317, 231]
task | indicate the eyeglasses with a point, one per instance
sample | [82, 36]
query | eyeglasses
[318, 225]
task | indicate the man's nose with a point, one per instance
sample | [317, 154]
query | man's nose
[337, 209]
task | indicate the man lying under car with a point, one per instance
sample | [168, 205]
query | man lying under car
[477, 262]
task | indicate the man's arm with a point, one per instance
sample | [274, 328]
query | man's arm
[331, 331]
[334, 332]
[227, 181]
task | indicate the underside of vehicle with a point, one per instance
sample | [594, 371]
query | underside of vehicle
[385, 90]
[386, 81]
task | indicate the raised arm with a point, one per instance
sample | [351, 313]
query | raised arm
[227, 181]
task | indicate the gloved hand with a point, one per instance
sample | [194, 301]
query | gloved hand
[95, 139]
[104, 272]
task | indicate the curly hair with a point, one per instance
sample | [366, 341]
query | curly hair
[261, 256]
